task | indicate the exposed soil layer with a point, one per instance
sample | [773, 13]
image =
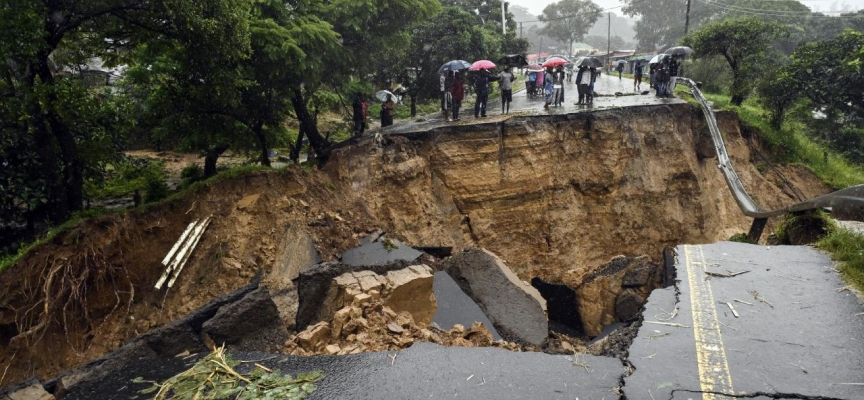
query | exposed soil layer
[553, 196]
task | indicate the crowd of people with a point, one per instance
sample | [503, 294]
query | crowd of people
[547, 82]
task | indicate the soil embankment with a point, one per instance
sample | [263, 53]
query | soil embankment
[553, 196]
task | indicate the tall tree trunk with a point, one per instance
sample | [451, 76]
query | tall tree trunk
[309, 126]
[73, 172]
[295, 151]
[258, 129]
[413, 105]
[210, 160]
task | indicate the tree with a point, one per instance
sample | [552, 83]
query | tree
[743, 42]
[36, 99]
[661, 22]
[452, 34]
[829, 73]
[569, 20]
[237, 102]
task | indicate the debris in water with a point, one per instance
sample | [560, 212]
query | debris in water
[743, 302]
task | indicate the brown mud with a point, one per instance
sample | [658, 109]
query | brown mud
[555, 199]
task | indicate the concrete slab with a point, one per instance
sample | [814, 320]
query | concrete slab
[805, 343]
[455, 307]
[425, 370]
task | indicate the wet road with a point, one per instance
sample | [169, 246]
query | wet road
[423, 371]
[796, 335]
[606, 88]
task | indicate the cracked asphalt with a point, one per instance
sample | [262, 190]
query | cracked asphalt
[797, 334]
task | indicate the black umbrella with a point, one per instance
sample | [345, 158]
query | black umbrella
[589, 62]
[679, 51]
[513, 60]
[454, 65]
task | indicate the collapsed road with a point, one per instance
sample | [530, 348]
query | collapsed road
[697, 352]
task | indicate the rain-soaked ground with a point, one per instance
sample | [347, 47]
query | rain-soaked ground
[606, 87]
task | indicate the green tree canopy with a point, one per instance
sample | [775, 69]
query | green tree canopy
[39, 39]
[745, 44]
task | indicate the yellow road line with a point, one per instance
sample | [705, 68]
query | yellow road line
[714, 375]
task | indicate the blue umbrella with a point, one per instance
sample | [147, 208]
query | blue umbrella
[454, 65]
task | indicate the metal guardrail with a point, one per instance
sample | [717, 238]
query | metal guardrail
[851, 198]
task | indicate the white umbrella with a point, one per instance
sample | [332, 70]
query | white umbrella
[382, 95]
[658, 58]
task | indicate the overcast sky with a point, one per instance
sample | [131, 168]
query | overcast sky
[536, 6]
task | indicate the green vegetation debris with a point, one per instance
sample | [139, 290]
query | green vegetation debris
[214, 377]
[389, 245]
[739, 237]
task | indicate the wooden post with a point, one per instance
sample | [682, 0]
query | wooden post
[756, 229]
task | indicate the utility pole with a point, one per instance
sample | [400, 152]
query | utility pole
[520, 30]
[609, 42]
[687, 19]
[503, 19]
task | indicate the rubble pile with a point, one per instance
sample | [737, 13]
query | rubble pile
[372, 326]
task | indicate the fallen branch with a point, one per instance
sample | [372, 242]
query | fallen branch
[759, 297]
[742, 302]
[729, 275]
[735, 313]
[667, 324]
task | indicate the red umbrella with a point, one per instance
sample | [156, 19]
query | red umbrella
[555, 61]
[535, 67]
[482, 64]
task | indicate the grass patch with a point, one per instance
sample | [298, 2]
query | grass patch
[790, 144]
[847, 248]
[403, 111]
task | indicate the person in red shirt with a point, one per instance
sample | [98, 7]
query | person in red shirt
[457, 91]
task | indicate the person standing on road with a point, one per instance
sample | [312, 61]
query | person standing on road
[387, 110]
[637, 76]
[359, 112]
[589, 97]
[549, 88]
[505, 82]
[583, 79]
[457, 93]
[481, 88]
[620, 69]
[559, 78]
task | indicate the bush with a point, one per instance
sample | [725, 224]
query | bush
[191, 173]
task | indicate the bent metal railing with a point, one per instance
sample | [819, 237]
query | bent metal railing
[851, 198]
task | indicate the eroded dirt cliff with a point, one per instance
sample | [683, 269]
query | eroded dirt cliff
[554, 196]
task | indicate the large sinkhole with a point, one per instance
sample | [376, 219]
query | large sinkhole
[579, 208]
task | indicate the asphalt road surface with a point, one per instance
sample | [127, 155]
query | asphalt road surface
[605, 86]
[797, 335]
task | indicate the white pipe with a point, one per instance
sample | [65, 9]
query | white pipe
[179, 242]
[189, 254]
[182, 253]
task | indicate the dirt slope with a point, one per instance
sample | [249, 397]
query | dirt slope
[559, 197]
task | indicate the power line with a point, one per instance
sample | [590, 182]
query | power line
[576, 15]
[771, 13]
[737, 7]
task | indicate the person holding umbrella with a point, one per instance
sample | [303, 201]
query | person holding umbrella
[359, 107]
[583, 79]
[505, 80]
[457, 93]
[482, 79]
[559, 85]
[387, 111]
